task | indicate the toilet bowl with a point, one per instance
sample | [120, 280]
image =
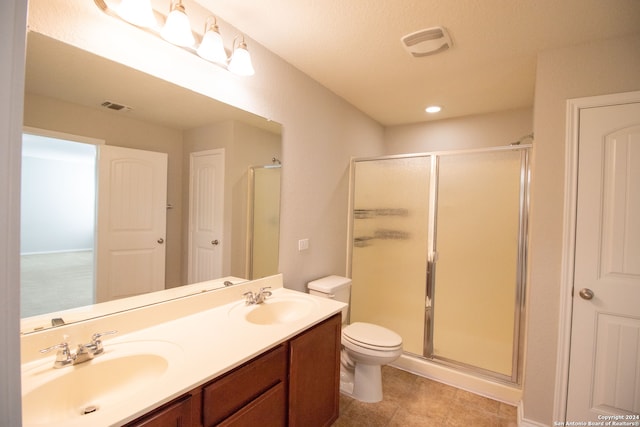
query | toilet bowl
[365, 346]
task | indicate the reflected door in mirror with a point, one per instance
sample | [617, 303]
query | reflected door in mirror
[206, 201]
[132, 210]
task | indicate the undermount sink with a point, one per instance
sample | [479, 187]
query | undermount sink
[275, 310]
[58, 396]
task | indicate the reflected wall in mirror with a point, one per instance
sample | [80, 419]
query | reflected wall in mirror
[64, 94]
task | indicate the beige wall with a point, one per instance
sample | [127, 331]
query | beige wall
[484, 130]
[12, 47]
[592, 69]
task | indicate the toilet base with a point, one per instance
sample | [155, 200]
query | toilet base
[363, 384]
[346, 381]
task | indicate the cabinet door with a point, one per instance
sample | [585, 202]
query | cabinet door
[176, 414]
[314, 381]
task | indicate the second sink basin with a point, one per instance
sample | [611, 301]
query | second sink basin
[275, 310]
[74, 393]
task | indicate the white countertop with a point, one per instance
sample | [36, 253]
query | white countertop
[204, 345]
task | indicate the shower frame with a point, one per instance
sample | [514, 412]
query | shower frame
[521, 269]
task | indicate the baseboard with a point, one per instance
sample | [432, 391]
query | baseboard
[523, 422]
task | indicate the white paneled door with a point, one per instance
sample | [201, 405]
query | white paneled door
[604, 371]
[206, 202]
[132, 211]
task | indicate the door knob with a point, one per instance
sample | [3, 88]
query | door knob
[161, 240]
[215, 242]
[586, 293]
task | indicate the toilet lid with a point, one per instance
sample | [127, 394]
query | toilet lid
[369, 335]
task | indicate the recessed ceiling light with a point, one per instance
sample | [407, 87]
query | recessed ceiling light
[432, 109]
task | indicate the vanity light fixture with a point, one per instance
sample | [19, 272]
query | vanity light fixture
[177, 30]
[432, 109]
[212, 46]
[137, 12]
[240, 62]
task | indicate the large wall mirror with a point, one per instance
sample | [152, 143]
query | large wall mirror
[73, 95]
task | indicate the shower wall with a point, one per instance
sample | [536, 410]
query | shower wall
[437, 254]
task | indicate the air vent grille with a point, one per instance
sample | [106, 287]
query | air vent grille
[115, 106]
[427, 42]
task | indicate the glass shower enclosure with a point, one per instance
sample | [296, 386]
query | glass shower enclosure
[437, 254]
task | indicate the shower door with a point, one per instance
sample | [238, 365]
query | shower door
[389, 254]
[438, 256]
[477, 258]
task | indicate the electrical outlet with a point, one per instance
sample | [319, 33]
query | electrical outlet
[303, 244]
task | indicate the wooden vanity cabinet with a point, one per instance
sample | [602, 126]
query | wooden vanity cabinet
[174, 414]
[245, 387]
[314, 375]
[294, 384]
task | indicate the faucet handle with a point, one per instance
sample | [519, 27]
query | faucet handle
[265, 291]
[250, 297]
[96, 342]
[97, 335]
[63, 347]
[63, 357]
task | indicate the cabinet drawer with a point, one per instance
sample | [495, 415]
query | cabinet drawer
[175, 414]
[228, 394]
[268, 410]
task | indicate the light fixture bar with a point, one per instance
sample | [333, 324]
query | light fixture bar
[176, 29]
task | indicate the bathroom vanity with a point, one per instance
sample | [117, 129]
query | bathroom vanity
[294, 384]
[204, 360]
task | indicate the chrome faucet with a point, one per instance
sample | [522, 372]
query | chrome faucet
[66, 357]
[257, 297]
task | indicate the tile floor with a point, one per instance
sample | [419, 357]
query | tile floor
[410, 400]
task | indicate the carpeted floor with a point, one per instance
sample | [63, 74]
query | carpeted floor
[54, 282]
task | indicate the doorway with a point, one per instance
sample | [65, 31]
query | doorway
[58, 199]
[206, 215]
[599, 342]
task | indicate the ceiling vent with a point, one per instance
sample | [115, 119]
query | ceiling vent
[114, 106]
[427, 42]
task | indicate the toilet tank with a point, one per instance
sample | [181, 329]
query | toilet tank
[335, 287]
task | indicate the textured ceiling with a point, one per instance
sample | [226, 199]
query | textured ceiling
[353, 47]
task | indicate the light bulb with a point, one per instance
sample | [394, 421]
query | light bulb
[212, 47]
[177, 29]
[240, 62]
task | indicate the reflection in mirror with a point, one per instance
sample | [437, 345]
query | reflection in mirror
[264, 220]
[66, 93]
[57, 224]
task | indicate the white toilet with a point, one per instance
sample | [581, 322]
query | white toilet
[365, 347]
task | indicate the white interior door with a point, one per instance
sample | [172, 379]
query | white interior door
[604, 371]
[132, 210]
[206, 203]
